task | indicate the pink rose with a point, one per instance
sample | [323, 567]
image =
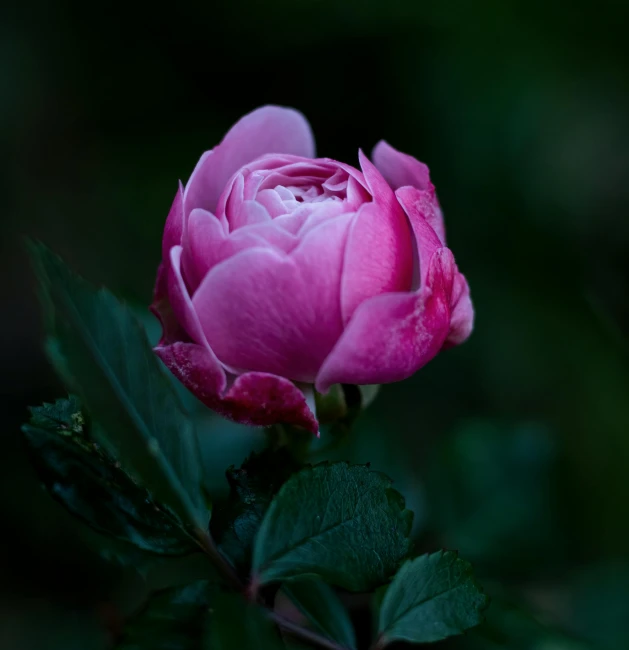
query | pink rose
[282, 271]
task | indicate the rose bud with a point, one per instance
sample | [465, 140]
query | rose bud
[283, 272]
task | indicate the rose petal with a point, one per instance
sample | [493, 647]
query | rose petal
[180, 301]
[195, 368]
[249, 213]
[270, 312]
[419, 206]
[337, 182]
[379, 255]
[376, 184]
[272, 201]
[462, 318]
[263, 399]
[391, 336]
[160, 307]
[304, 172]
[321, 212]
[208, 244]
[270, 129]
[293, 222]
[354, 173]
[357, 194]
[267, 233]
[254, 398]
[399, 169]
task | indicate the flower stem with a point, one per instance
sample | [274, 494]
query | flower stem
[379, 643]
[225, 569]
[304, 634]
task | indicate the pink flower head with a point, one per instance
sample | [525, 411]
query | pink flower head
[281, 271]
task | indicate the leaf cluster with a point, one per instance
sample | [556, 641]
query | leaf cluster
[288, 544]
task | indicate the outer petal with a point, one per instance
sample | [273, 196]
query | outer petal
[391, 336]
[269, 312]
[270, 129]
[400, 170]
[254, 398]
[462, 319]
[196, 369]
[205, 237]
[160, 307]
[379, 255]
[420, 206]
[173, 233]
[180, 301]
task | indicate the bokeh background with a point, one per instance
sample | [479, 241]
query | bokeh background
[513, 448]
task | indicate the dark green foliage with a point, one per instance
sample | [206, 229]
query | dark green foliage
[64, 417]
[236, 624]
[340, 522]
[173, 619]
[341, 406]
[252, 487]
[103, 354]
[92, 486]
[324, 610]
[432, 597]
[132, 472]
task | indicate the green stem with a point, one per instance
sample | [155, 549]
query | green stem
[304, 634]
[225, 569]
[379, 643]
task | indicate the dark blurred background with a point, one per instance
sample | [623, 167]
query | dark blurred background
[513, 448]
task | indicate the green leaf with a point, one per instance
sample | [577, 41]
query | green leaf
[323, 608]
[431, 597]
[375, 605]
[252, 487]
[236, 624]
[84, 479]
[63, 417]
[342, 523]
[173, 619]
[103, 354]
